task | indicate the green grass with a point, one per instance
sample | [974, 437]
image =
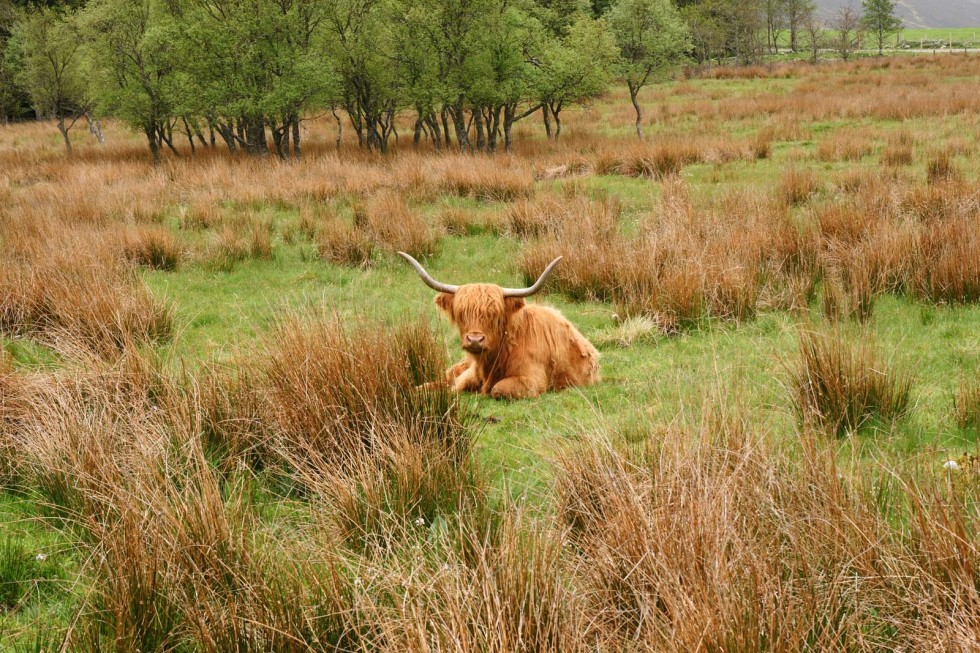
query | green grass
[969, 35]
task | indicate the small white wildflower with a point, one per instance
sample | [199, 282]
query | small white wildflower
[357, 582]
[41, 557]
[951, 464]
[420, 521]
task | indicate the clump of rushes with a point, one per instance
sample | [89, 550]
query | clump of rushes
[152, 247]
[75, 298]
[394, 226]
[966, 404]
[797, 185]
[342, 244]
[838, 385]
[247, 238]
[941, 168]
[334, 387]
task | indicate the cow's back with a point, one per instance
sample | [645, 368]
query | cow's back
[551, 339]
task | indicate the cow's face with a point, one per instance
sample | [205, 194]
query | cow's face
[481, 313]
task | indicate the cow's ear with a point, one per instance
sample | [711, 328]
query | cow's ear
[513, 304]
[444, 300]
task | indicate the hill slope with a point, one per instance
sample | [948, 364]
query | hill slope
[924, 13]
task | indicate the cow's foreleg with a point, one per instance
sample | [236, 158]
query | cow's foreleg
[520, 387]
[458, 370]
[466, 380]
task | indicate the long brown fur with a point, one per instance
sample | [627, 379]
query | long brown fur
[529, 349]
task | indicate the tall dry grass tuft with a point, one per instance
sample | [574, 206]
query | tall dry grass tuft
[152, 247]
[838, 385]
[966, 404]
[687, 263]
[941, 168]
[583, 230]
[201, 214]
[387, 218]
[797, 186]
[247, 237]
[949, 252]
[334, 388]
[660, 158]
[844, 145]
[483, 178]
[342, 244]
[706, 535]
[899, 150]
[73, 296]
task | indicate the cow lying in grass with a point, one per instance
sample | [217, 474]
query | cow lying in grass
[513, 350]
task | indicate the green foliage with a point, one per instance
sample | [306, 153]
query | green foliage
[46, 47]
[132, 58]
[580, 66]
[879, 20]
[652, 40]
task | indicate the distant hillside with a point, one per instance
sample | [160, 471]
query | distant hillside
[924, 13]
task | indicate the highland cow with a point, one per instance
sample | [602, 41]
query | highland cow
[513, 350]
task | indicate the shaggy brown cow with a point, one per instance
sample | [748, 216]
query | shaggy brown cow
[513, 349]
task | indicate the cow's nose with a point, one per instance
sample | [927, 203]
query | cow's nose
[475, 338]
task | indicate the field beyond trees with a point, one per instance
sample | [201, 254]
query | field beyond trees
[212, 439]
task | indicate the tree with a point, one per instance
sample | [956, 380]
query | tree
[132, 60]
[14, 103]
[775, 11]
[814, 30]
[48, 47]
[249, 65]
[880, 20]
[708, 33]
[847, 27]
[361, 45]
[652, 40]
[578, 68]
[797, 13]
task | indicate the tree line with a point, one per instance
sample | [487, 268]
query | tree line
[242, 74]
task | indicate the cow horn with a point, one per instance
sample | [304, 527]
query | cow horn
[527, 292]
[438, 286]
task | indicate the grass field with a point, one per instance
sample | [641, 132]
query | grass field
[210, 438]
[960, 35]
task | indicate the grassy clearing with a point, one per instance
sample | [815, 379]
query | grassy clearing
[232, 344]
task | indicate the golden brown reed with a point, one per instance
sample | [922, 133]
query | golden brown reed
[966, 404]
[712, 536]
[839, 383]
[685, 264]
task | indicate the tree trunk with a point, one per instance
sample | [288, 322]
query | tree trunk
[190, 134]
[445, 127]
[634, 92]
[64, 134]
[151, 138]
[227, 133]
[417, 135]
[255, 139]
[278, 133]
[545, 113]
[340, 127]
[555, 111]
[493, 128]
[95, 129]
[433, 124]
[166, 135]
[296, 147]
[459, 123]
[481, 134]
